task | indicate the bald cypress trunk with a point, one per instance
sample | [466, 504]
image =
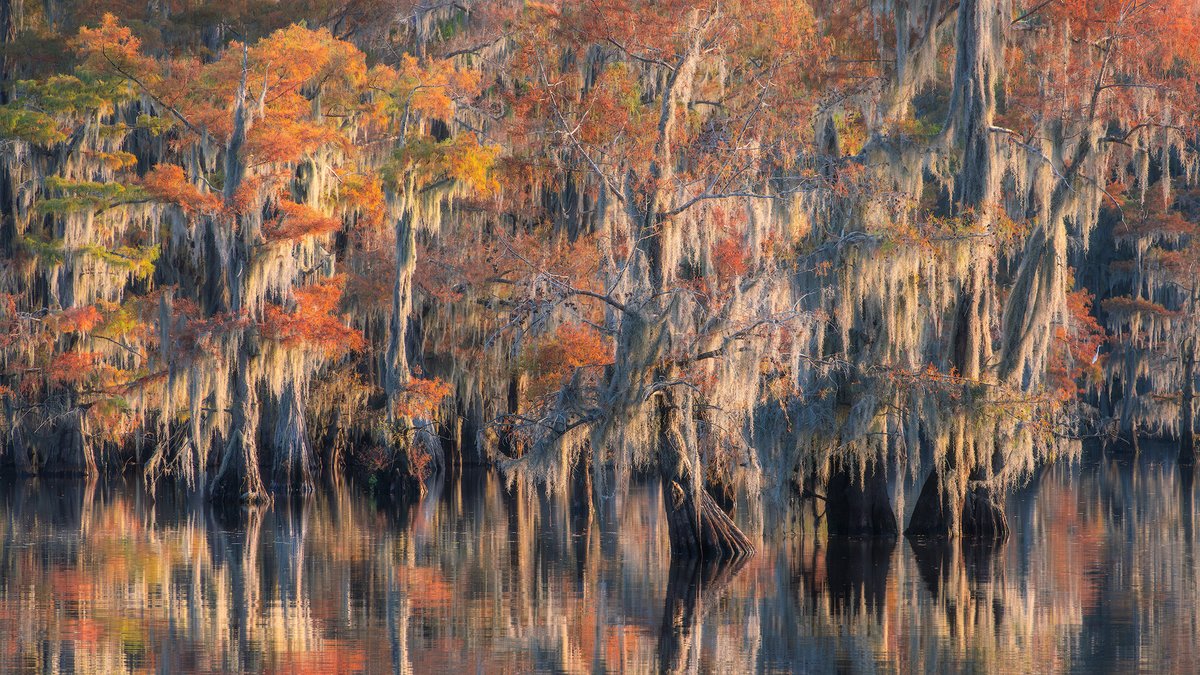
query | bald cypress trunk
[294, 467]
[697, 526]
[859, 503]
[946, 506]
[1187, 406]
[239, 476]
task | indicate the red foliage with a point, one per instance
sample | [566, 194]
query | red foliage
[730, 258]
[72, 367]
[555, 358]
[78, 319]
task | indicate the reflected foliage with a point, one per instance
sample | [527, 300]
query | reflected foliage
[1100, 574]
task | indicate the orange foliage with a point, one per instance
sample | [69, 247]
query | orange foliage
[421, 398]
[72, 367]
[111, 46]
[314, 322]
[1076, 351]
[730, 258]
[364, 195]
[1127, 306]
[297, 221]
[554, 358]
[78, 319]
[427, 88]
[168, 183]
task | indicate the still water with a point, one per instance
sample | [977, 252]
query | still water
[1099, 576]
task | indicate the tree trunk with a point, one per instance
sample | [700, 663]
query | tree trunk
[944, 509]
[1187, 431]
[72, 454]
[697, 526]
[704, 532]
[396, 368]
[983, 514]
[294, 465]
[239, 478]
[938, 509]
[860, 505]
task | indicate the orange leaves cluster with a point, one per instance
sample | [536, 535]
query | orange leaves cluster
[428, 89]
[72, 367]
[421, 398]
[297, 221]
[193, 334]
[168, 183]
[1127, 306]
[1139, 59]
[286, 139]
[285, 72]
[554, 358]
[363, 194]
[613, 110]
[111, 46]
[1174, 25]
[1075, 354]
[78, 319]
[730, 258]
[314, 321]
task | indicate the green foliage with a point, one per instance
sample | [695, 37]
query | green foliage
[155, 125]
[138, 260]
[48, 251]
[123, 320]
[39, 107]
[72, 196]
[67, 94]
[31, 126]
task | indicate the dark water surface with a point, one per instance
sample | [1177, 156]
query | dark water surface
[1099, 576]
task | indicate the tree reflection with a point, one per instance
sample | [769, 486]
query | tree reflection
[1100, 573]
[693, 585]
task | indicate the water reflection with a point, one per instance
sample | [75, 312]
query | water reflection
[1100, 575]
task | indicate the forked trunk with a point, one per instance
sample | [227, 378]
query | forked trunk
[983, 514]
[702, 532]
[945, 509]
[938, 511]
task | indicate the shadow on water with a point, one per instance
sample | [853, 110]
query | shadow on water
[1099, 575]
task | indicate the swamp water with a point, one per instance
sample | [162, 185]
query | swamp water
[1100, 575]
